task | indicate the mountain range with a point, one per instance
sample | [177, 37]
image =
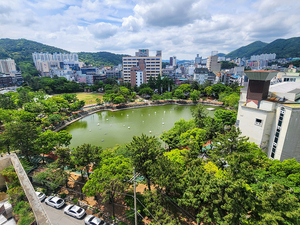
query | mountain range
[21, 51]
[284, 48]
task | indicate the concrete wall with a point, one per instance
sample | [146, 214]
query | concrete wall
[39, 213]
[257, 133]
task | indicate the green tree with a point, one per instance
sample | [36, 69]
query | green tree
[195, 85]
[86, 156]
[119, 99]
[214, 200]
[110, 178]
[156, 97]
[46, 142]
[167, 95]
[152, 82]
[159, 83]
[276, 206]
[146, 91]
[179, 94]
[172, 136]
[199, 115]
[185, 88]
[195, 95]
[145, 150]
[208, 90]
[64, 160]
[23, 136]
[226, 117]
[194, 138]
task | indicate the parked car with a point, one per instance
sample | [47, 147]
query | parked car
[40, 195]
[55, 202]
[75, 211]
[93, 220]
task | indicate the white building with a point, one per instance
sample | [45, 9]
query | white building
[139, 78]
[153, 64]
[60, 57]
[269, 116]
[7, 65]
[201, 75]
[263, 57]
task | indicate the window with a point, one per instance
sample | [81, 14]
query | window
[258, 122]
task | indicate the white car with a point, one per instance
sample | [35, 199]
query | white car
[93, 220]
[40, 195]
[75, 211]
[55, 202]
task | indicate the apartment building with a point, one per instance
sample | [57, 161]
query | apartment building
[7, 65]
[153, 65]
[212, 63]
[60, 57]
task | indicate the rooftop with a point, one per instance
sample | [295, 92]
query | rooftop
[286, 87]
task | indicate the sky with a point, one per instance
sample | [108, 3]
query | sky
[181, 28]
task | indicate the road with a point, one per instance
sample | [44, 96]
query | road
[57, 216]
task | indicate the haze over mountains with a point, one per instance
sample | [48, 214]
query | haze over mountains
[21, 49]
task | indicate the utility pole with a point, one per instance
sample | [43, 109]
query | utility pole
[135, 212]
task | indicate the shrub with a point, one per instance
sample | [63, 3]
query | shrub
[75, 201]
[63, 195]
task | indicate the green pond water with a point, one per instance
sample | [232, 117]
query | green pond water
[108, 128]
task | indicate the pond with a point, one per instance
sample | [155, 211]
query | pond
[108, 128]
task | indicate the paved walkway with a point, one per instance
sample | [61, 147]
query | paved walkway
[57, 216]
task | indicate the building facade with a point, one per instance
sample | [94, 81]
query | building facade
[7, 65]
[212, 63]
[269, 115]
[153, 65]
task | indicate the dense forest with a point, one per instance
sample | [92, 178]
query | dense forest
[247, 51]
[100, 58]
[284, 48]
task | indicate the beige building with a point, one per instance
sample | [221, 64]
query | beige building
[7, 65]
[153, 65]
[270, 115]
[212, 64]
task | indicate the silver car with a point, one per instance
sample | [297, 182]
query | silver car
[93, 220]
[40, 195]
[75, 211]
[55, 202]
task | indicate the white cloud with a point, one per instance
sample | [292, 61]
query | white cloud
[165, 13]
[103, 30]
[132, 23]
[181, 28]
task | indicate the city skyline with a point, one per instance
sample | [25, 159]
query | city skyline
[180, 28]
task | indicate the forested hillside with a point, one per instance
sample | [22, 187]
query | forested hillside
[100, 58]
[247, 51]
[21, 51]
[284, 48]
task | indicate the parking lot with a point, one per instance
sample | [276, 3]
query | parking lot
[57, 216]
